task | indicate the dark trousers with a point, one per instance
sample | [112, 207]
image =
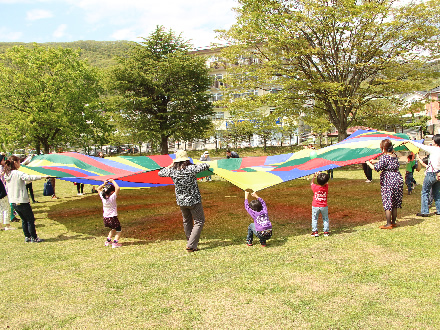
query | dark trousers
[24, 210]
[367, 171]
[80, 187]
[30, 191]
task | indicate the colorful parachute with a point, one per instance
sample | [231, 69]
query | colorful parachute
[129, 171]
[253, 173]
[257, 173]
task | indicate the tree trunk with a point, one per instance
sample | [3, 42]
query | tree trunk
[46, 147]
[164, 145]
[342, 134]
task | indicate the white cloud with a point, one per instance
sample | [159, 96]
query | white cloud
[130, 19]
[60, 31]
[36, 14]
[8, 35]
[124, 34]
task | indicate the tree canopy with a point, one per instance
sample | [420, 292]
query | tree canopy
[341, 55]
[48, 96]
[162, 89]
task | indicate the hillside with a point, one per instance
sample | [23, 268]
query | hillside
[99, 53]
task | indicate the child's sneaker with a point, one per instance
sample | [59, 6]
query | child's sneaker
[249, 243]
[27, 239]
[108, 243]
[36, 240]
[326, 233]
[116, 245]
[315, 234]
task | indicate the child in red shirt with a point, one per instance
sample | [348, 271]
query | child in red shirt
[319, 204]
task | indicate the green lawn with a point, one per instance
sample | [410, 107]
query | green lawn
[360, 277]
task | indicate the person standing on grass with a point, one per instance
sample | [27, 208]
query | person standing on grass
[261, 227]
[319, 203]
[391, 182]
[430, 182]
[108, 192]
[18, 197]
[424, 163]
[368, 172]
[183, 173]
[409, 174]
[5, 206]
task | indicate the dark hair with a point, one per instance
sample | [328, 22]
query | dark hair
[107, 190]
[181, 165]
[411, 157]
[10, 164]
[322, 178]
[436, 139]
[255, 205]
[387, 145]
[2, 157]
[228, 151]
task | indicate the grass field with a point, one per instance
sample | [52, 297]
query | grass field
[360, 277]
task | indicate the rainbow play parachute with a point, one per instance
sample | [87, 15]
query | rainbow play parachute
[254, 173]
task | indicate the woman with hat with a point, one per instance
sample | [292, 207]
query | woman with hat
[183, 173]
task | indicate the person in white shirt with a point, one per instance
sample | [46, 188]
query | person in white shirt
[108, 192]
[430, 180]
[18, 197]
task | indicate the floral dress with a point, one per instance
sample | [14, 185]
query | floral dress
[391, 182]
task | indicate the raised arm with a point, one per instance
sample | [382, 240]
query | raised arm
[117, 189]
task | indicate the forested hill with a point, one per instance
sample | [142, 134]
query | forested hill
[99, 53]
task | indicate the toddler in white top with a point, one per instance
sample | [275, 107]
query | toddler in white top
[108, 192]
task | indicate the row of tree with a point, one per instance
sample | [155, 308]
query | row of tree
[51, 97]
[333, 62]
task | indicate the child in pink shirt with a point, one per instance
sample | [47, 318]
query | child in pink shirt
[108, 192]
[319, 204]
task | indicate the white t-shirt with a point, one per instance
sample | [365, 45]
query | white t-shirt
[109, 206]
[434, 156]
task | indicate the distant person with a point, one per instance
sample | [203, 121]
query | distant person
[108, 192]
[183, 173]
[409, 172]
[368, 172]
[391, 182]
[231, 154]
[205, 158]
[29, 188]
[16, 183]
[79, 188]
[261, 227]
[319, 203]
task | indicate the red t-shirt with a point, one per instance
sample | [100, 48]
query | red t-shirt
[320, 194]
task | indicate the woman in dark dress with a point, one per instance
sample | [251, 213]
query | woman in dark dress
[391, 182]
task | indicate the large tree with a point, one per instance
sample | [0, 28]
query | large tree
[162, 88]
[340, 54]
[48, 97]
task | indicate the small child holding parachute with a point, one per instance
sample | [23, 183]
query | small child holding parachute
[108, 192]
[261, 227]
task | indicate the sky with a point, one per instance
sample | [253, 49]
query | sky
[106, 20]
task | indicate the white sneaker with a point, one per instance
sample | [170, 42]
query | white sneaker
[10, 228]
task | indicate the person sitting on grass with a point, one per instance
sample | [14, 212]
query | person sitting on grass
[261, 227]
[319, 203]
[108, 192]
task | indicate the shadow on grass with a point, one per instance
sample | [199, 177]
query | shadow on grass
[149, 215]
